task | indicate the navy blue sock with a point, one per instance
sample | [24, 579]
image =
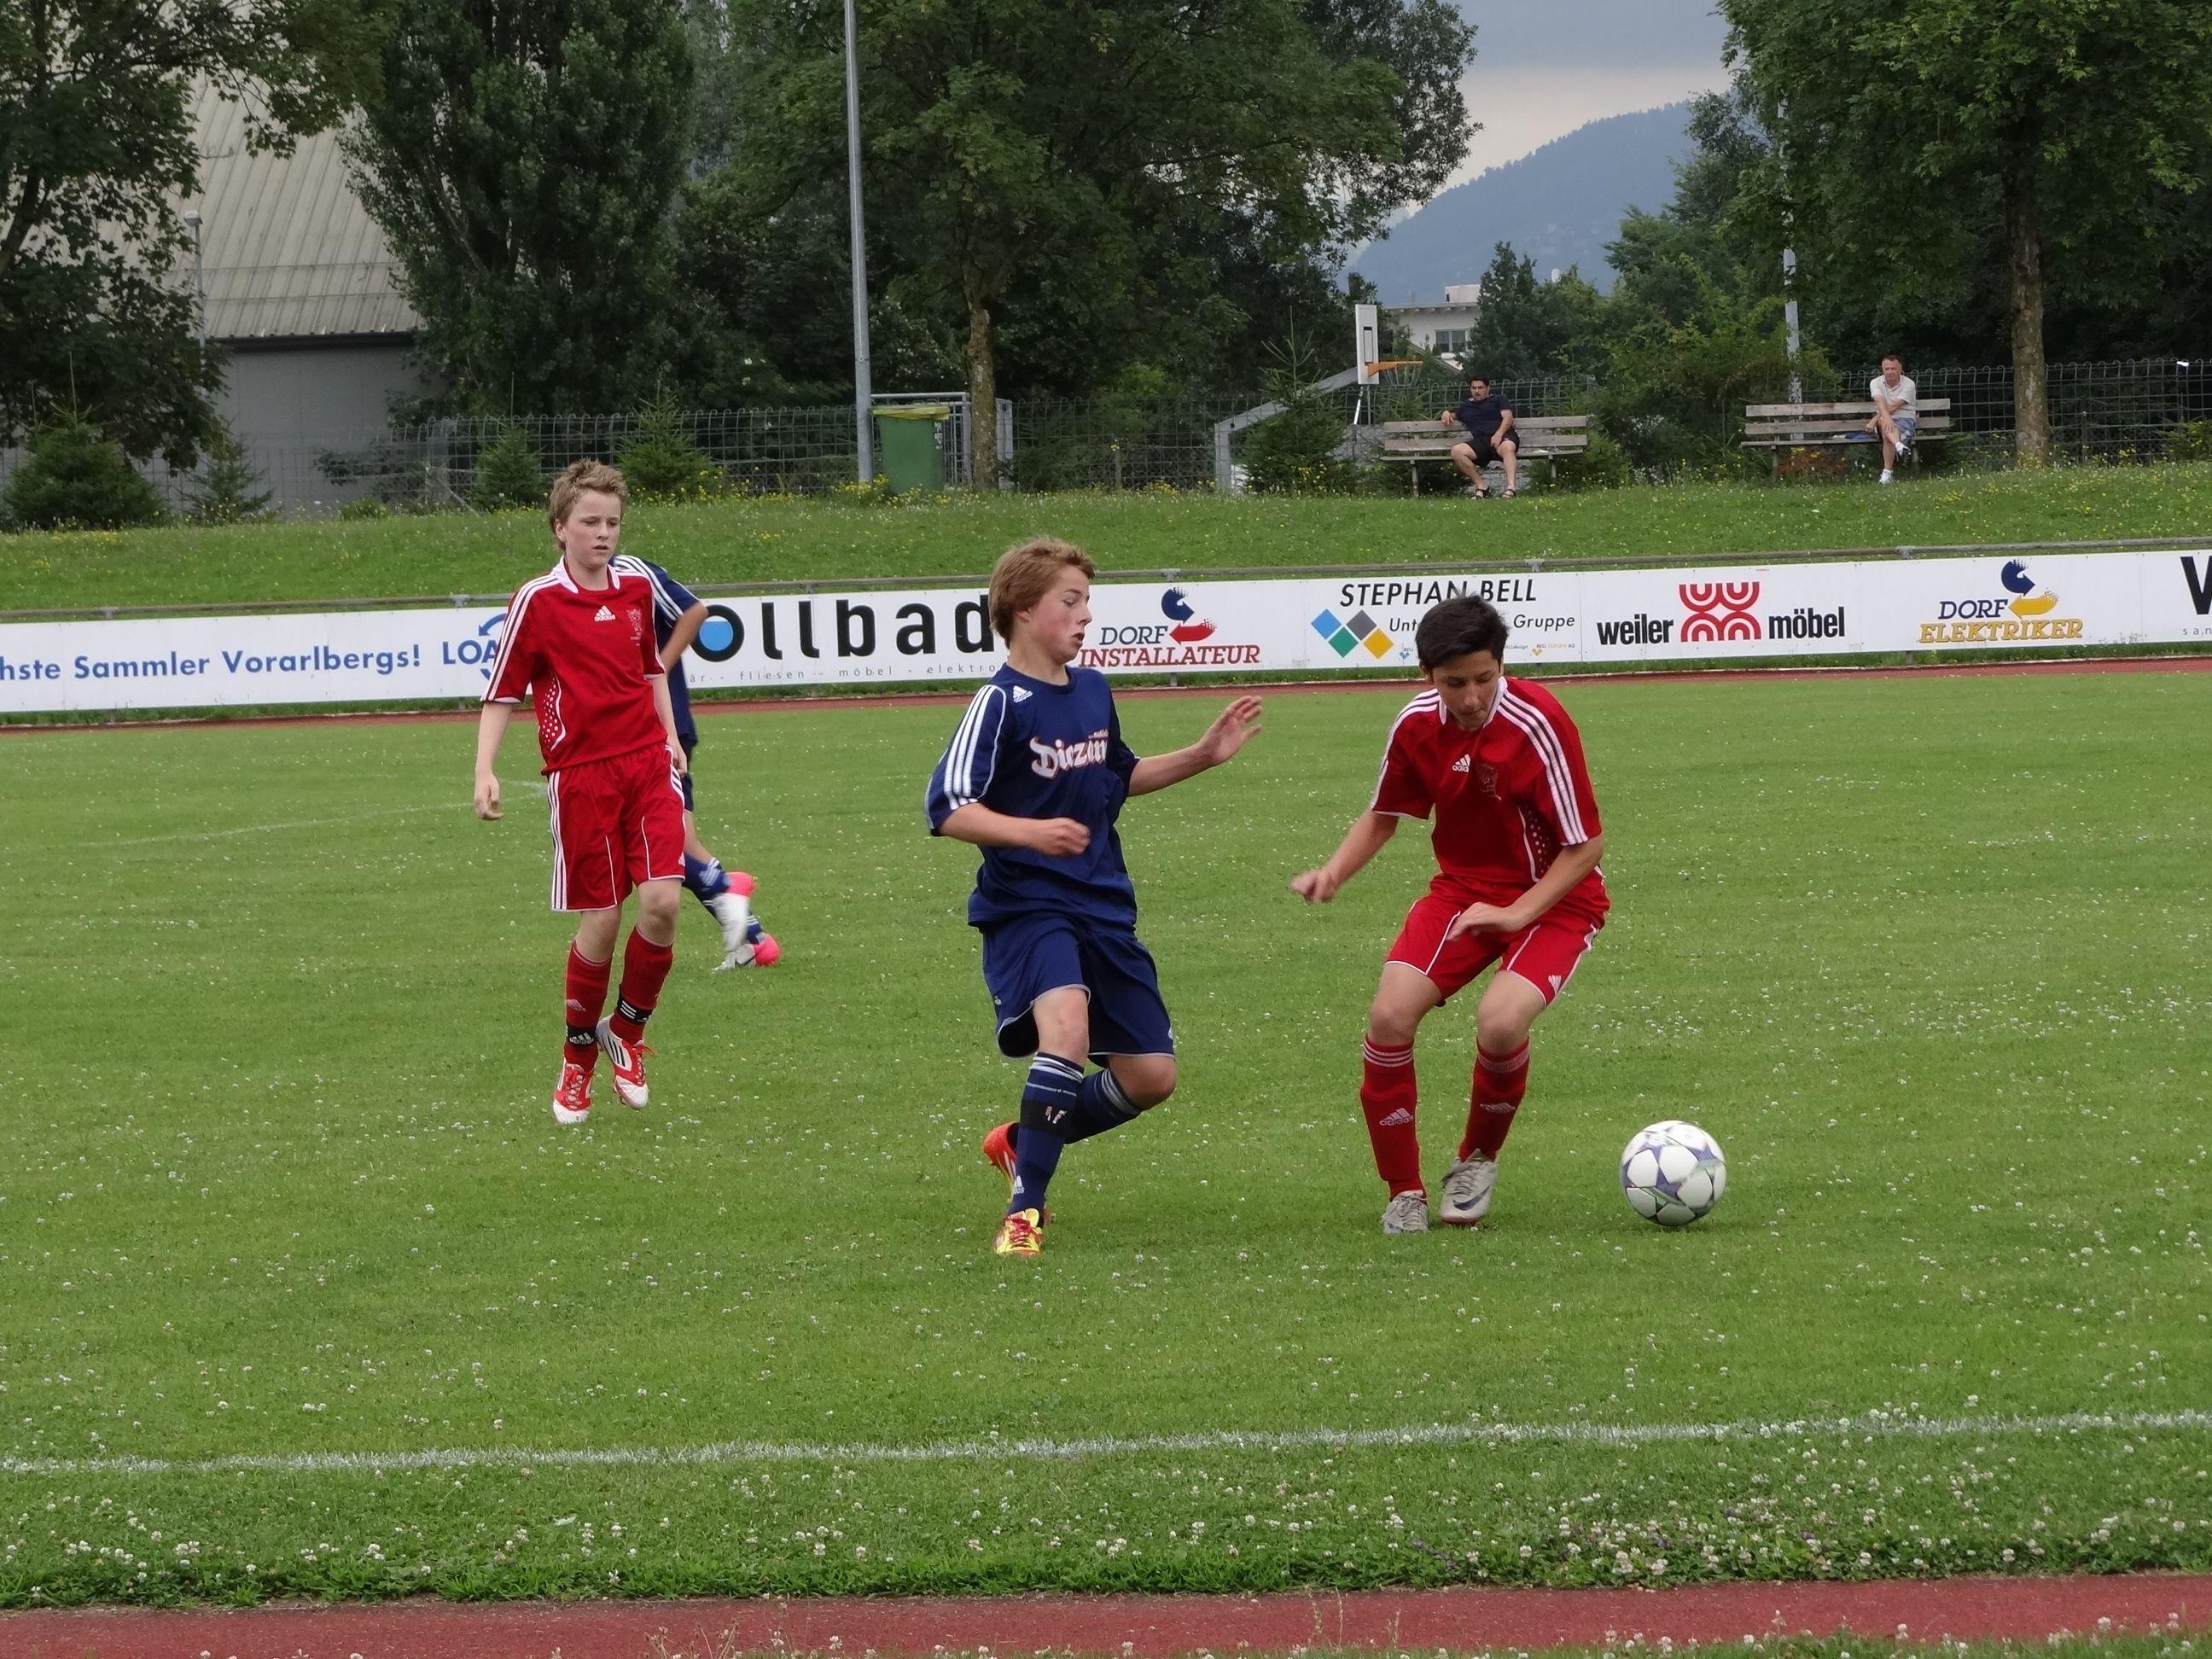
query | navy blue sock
[704, 878]
[1049, 1099]
[1099, 1106]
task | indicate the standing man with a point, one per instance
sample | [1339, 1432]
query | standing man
[1488, 422]
[1896, 412]
[579, 643]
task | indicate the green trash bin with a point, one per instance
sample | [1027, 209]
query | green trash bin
[908, 452]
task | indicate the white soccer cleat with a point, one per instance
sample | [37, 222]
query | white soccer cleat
[1408, 1212]
[627, 1061]
[1467, 1186]
[732, 909]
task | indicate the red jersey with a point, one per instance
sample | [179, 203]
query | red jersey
[1507, 796]
[589, 657]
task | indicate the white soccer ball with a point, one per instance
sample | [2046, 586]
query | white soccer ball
[1672, 1173]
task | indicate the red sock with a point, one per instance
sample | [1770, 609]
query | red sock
[1387, 1097]
[587, 994]
[645, 966]
[1500, 1080]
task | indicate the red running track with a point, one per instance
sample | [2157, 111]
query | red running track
[1140, 1626]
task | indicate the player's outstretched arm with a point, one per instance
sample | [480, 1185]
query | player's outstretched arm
[491, 726]
[1232, 728]
[1368, 833]
[979, 826]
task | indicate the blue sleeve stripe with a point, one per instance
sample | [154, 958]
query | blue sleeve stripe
[976, 744]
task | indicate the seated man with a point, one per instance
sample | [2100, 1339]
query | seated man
[1896, 412]
[1488, 422]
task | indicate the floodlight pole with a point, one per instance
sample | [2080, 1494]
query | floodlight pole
[863, 391]
[1790, 320]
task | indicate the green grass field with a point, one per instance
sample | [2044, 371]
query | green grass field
[281, 1186]
[955, 536]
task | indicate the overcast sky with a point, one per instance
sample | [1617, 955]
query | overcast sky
[1542, 68]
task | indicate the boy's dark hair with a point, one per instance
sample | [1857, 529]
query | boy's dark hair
[1459, 628]
[1897, 357]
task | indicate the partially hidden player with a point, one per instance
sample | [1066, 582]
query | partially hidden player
[726, 895]
[1036, 775]
[1516, 841]
[580, 642]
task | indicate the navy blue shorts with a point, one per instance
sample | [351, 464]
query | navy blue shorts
[690, 744]
[1026, 957]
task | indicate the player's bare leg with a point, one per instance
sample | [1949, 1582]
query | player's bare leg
[1509, 455]
[1389, 1094]
[1502, 1022]
[1462, 457]
[645, 966]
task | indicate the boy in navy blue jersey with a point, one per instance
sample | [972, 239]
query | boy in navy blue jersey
[727, 894]
[1036, 775]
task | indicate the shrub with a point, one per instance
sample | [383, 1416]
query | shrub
[2190, 441]
[662, 463]
[1298, 452]
[223, 492]
[508, 473]
[76, 479]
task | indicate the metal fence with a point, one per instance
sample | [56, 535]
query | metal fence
[2106, 411]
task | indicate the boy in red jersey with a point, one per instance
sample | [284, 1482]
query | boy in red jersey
[580, 640]
[1517, 842]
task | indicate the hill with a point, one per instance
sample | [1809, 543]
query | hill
[1559, 205]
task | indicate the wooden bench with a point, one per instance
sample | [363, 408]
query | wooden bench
[1540, 437]
[1813, 426]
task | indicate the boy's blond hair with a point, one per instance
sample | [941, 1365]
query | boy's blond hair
[580, 476]
[1025, 572]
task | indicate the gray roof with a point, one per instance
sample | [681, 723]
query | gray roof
[287, 251]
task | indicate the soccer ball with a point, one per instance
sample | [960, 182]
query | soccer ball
[1672, 1173]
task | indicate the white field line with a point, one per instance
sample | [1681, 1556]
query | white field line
[1877, 1425]
[303, 824]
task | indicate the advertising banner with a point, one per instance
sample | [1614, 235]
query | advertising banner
[1307, 625]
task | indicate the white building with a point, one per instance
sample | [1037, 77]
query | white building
[1443, 328]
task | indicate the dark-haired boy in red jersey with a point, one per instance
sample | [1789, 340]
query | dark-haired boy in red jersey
[1517, 842]
[580, 642]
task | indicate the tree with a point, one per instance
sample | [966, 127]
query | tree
[76, 479]
[1524, 329]
[1892, 124]
[1059, 155]
[226, 488]
[524, 164]
[95, 150]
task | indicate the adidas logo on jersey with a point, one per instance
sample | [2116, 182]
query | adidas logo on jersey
[1460, 764]
[604, 615]
[1401, 1115]
[1023, 694]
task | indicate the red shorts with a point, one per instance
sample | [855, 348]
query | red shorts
[1545, 955]
[616, 823]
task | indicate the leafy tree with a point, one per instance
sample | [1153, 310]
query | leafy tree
[1900, 128]
[95, 150]
[1525, 329]
[76, 479]
[1068, 158]
[225, 491]
[524, 164]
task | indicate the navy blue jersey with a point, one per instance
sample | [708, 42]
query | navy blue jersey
[671, 600]
[1033, 749]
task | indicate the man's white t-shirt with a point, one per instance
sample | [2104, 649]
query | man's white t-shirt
[1882, 392]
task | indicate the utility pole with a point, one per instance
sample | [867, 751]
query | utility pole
[200, 286]
[863, 391]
